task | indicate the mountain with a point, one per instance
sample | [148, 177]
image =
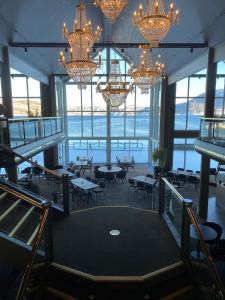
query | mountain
[196, 105]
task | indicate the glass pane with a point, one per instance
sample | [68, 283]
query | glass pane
[35, 107]
[19, 86]
[119, 148]
[117, 124]
[130, 102]
[129, 124]
[74, 124]
[142, 100]
[99, 103]
[16, 133]
[73, 97]
[87, 124]
[219, 107]
[99, 124]
[30, 131]
[178, 153]
[220, 85]
[142, 124]
[34, 87]
[97, 149]
[77, 148]
[86, 98]
[182, 88]
[20, 107]
[196, 108]
[197, 87]
[139, 150]
[221, 67]
[193, 160]
[180, 113]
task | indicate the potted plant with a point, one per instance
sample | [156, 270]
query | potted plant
[159, 159]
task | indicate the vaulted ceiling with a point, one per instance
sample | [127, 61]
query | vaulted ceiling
[41, 21]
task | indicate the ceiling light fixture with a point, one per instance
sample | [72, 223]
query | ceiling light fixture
[147, 73]
[111, 8]
[79, 65]
[154, 24]
[116, 90]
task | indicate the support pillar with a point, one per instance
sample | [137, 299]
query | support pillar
[208, 113]
[48, 104]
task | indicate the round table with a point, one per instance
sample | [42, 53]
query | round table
[113, 169]
[207, 232]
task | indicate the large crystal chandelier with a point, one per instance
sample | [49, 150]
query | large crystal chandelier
[111, 8]
[154, 24]
[116, 90]
[79, 65]
[147, 73]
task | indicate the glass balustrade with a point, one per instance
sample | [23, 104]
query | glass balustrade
[25, 131]
[213, 131]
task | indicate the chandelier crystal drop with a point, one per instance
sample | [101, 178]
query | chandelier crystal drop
[154, 24]
[116, 90]
[147, 73]
[79, 65]
[111, 8]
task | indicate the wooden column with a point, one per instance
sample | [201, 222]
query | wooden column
[48, 104]
[167, 120]
[208, 113]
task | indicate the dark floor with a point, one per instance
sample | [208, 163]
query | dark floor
[82, 241]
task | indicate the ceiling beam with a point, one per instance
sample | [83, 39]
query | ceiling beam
[106, 45]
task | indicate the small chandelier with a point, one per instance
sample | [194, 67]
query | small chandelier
[111, 8]
[155, 23]
[116, 91]
[79, 66]
[147, 73]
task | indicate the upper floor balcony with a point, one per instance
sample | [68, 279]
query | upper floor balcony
[211, 141]
[29, 135]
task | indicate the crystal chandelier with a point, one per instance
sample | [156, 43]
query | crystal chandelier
[147, 73]
[154, 24]
[111, 8]
[79, 66]
[116, 91]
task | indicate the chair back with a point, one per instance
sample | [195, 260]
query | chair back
[131, 181]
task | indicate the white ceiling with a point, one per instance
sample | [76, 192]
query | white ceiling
[41, 21]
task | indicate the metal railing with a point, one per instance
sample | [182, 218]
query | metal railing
[212, 130]
[25, 131]
[32, 217]
[180, 218]
[50, 184]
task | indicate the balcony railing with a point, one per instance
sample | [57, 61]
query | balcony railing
[25, 131]
[212, 130]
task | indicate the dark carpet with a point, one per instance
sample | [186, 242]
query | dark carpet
[82, 242]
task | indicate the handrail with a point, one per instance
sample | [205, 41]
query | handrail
[37, 201]
[179, 196]
[205, 249]
[26, 277]
[213, 119]
[209, 260]
[32, 119]
[52, 172]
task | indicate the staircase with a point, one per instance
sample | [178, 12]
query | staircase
[175, 283]
[22, 219]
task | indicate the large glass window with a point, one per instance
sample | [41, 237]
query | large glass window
[91, 125]
[219, 108]
[26, 95]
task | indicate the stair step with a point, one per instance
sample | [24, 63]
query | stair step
[11, 208]
[59, 294]
[179, 294]
[21, 222]
[3, 195]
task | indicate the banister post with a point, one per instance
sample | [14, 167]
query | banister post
[185, 232]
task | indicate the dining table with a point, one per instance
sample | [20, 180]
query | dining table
[146, 180]
[85, 185]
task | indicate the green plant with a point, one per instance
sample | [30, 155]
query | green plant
[159, 157]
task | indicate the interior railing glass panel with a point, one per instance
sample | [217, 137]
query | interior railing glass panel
[192, 238]
[213, 130]
[25, 131]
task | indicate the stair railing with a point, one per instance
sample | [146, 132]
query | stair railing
[179, 216]
[51, 173]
